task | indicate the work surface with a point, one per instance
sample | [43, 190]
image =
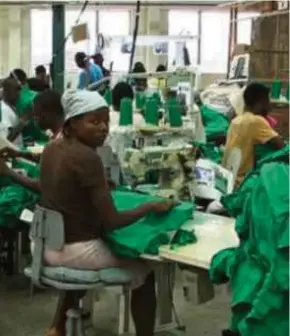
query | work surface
[214, 233]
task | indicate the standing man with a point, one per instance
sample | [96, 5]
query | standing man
[99, 60]
[90, 73]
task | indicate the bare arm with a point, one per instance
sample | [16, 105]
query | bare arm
[113, 219]
[24, 181]
[91, 176]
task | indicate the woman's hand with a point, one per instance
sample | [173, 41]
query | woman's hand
[162, 206]
[8, 153]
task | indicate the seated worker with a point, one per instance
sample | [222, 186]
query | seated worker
[139, 84]
[49, 115]
[73, 183]
[159, 82]
[37, 85]
[251, 128]
[120, 91]
[24, 105]
[90, 73]
[11, 125]
[99, 60]
[41, 74]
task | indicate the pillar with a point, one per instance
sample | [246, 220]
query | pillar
[58, 47]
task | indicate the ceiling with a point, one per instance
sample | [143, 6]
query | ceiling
[108, 2]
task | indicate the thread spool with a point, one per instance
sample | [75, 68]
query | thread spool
[276, 89]
[108, 97]
[151, 112]
[126, 112]
[174, 113]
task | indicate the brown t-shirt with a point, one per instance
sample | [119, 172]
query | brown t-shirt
[68, 170]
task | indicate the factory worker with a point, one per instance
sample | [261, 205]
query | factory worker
[73, 183]
[10, 124]
[251, 128]
[24, 105]
[48, 113]
[120, 91]
[159, 82]
[90, 73]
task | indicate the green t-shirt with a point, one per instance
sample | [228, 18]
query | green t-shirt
[24, 104]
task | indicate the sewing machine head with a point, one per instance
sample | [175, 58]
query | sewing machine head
[174, 164]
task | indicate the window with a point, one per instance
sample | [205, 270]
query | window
[115, 23]
[88, 46]
[41, 37]
[214, 41]
[182, 23]
[245, 27]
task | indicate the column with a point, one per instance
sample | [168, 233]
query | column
[153, 21]
[58, 36]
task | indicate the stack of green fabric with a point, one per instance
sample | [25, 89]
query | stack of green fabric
[215, 123]
[209, 151]
[15, 198]
[150, 232]
[258, 270]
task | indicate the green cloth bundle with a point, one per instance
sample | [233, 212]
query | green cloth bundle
[150, 232]
[215, 123]
[258, 270]
[126, 112]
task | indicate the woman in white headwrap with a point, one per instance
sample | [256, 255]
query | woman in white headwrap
[73, 183]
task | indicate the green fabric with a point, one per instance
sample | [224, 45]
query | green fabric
[215, 123]
[258, 270]
[15, 198]
[209, 151]
[31, 133]
[150, 232]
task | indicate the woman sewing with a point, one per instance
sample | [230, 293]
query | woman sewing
[73, 183]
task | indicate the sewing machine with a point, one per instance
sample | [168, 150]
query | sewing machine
[174, 164]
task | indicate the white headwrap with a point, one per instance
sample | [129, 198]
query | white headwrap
[77, 102]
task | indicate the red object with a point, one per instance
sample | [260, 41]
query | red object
[272, 121]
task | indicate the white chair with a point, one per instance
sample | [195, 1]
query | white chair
[47, 232]
[233, 161]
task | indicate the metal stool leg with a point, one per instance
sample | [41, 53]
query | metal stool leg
[74, 325]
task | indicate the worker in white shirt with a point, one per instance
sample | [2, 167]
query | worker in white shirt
[120, 91]
[8, 119]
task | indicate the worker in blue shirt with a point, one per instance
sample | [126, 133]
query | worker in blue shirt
[91, 72]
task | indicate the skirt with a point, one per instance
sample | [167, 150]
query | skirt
[95, 255]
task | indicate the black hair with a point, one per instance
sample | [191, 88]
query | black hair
[80, 56]
[254, 93]
[40, 69]
[19, 75]
[139, 68]
[37, 85]
[10, 83]
[50, 100]
[120, 91]
[161, 68]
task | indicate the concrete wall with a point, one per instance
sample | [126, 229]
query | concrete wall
[15, 39]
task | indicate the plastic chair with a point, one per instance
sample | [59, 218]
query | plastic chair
[47, 232]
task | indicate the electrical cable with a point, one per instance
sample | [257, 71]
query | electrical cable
[61, 48]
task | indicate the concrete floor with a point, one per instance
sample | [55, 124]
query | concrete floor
[21, 315]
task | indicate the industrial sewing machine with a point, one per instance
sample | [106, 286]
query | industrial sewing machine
[174, 165]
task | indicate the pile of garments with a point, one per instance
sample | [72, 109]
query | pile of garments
[258, 270]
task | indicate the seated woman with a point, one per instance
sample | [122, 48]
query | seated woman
[73, 183]
[139, 84]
